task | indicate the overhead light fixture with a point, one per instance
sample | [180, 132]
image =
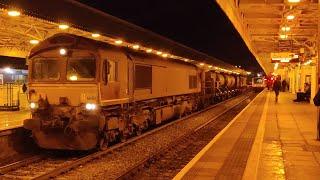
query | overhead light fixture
[14, 13]
[159, 52]
[293, 1]
[118, 41]
[276, 66]
[149, 50]
[186, 60]
[95, 35]
[63, 51]
[209, 66]
[201, 64]
[165, 55]
[63, 26]
[285, 28]
[290, 17]
[34, 41]
[135, 46]
[8, 70]
[283, 36]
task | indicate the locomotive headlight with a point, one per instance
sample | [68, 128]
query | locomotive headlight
[91, 106]
[33, 105]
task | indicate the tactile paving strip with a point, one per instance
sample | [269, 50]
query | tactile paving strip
[235, 164]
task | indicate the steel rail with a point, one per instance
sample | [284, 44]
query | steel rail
[128, 174]
[82, 160]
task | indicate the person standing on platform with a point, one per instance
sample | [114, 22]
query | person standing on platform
[277, 87]
[284, 85]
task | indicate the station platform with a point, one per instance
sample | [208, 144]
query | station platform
[267, 140]
[14, 119]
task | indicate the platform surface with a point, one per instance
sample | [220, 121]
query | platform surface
[267, 140]
[13, 119]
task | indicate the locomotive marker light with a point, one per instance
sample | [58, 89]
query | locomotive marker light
[91, 106]
[63, 51]
[63, 26]
[14, 13]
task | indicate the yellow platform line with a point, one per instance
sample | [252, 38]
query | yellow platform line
[251, 170]
[187, 168]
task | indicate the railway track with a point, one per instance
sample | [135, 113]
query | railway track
[49, 166]
[167, 162]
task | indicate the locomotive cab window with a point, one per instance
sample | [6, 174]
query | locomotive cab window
[81, 67]
[46, 69]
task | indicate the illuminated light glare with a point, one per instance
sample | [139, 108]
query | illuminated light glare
[95, 35]
[308, 62]
[285, 28]
[136, 46]
[293, 1]
[290, 17]
[8, 70]
[90, 106]
[276, 65]
[201, 64]
[209, 66]
[164, 55]
[186, 60]
[33, 105]
[14, 13]
[149, 50]
[283, 36]
[63, 51]
[73, 78]
[248, 73]
[118, 41]
[63, 26]
[34, 41]
[159, 52]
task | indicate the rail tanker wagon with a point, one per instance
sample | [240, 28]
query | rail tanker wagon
[85, 93]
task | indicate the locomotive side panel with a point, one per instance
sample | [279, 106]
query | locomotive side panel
[114, 86]
[168, 79]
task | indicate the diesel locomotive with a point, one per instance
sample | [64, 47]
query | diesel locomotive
[86, 94]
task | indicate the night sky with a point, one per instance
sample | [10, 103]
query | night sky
[201, 25]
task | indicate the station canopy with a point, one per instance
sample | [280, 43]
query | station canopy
[26, 23]
[275, 27]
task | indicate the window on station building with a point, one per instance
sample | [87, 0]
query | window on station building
[192, 81]
[143, 77]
